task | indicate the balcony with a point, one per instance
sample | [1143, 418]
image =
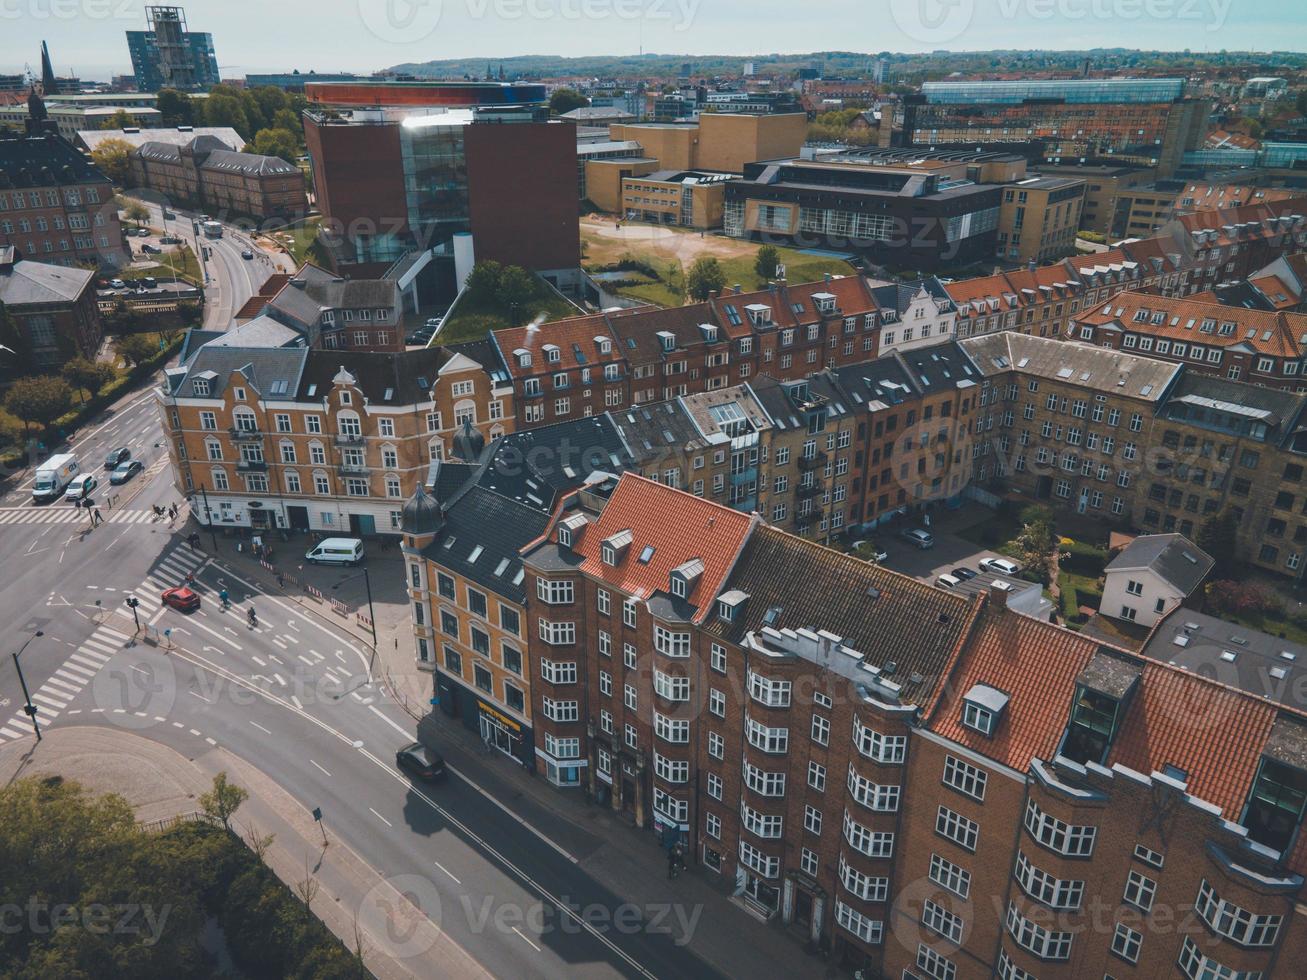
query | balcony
[252, 466]
[346, 439]
[244, 435]
[812, 462]
[745, 476]
[803, 493]
[353, 469]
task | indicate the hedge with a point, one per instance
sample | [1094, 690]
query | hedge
[1082, 559]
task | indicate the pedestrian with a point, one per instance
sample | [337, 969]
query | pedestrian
[172, 511]
[96, 514]
[281, 580]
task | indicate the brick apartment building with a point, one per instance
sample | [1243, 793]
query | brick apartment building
[320, 440]
[208, 174]
[925, 783]
[335, 313]
[1256, 346]
[55, 206]
[53, 313]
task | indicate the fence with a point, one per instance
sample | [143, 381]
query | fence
[167, 823]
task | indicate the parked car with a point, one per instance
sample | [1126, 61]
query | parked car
[81, 486]
[246, 253]
[116, 458]
[117, 284]
[964, 573]
[947, 581]
[149, 249]
[922, 539]
[170, 240]
[142, 232]
[125, 471]
[148, 282]
[336, 551]
[435, 322]
[168, 215]
[1002, 566]
[420, 761]
[181, 599]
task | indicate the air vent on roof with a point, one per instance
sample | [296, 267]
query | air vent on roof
[1279, 673]
[1228, 656]
[1286, 655]
[770, 617]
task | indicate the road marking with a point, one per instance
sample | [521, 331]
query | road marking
[259, 660]
[324, 772]
[296, 701]
[373, 709]
[441, 867]
[279, 679]
[140, 670]
[209, 740]
[525, 940]
[200, 696]
[381, 818]
[260, 728]
[305, 659]
[213, 632]
[194, 732]
[279, 643]
[46, 699]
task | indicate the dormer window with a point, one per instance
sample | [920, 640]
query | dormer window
[709, 333]
[729, 604]
[678, 587]
[825, 302]
[604, 344]
[523, 357]
[569, 528]
[346, 398]
[1276, 802]
[759, 315]
[565, 536]
[553, 354]
[684, 576]
[614, 548]
[667, 340]
[201, 387]
[982, 707]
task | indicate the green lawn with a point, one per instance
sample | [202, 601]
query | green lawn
[474, 318]
[181, 263]
[1279, 626]
[301, 239]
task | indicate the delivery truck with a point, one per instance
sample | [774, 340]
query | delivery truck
[53, 476]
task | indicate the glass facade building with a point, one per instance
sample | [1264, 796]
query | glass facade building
[1082, 91]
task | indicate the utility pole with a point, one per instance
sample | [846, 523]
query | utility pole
[28, 708]
[208, 518]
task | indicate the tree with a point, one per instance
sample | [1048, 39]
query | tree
[87, 375]
[226, 110]
[516, 287]
[39, 400]
[704, 278]
[175, 108]
[290, 120]
[1218, 536]
[565, 100]
[119, 120]
[1254, 128]
[1301, 103]
[483, 280]
[275, 143]
[1034, 547]
[138, 212]
[766, 262]
[136, 348]
[113, 157]
[221, 803]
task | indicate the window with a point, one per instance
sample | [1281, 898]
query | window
[669, 807]
[714, 786]
[874, 796]
[1126, 943]
[628, 655]
[1148, 856]
[1068, 839]
[763, 782]
[605, 683]
[509, 620]
[1140, 890]
[1056, 893]
[560, 710]
[941, 920]
[934, 965]
[672, 770]
[671, 644]
[1041, 942]
[761, 824]
[717, 702]
[948, 875]
[812, 820]
[557, 633]
[671, 687]
[1194, 965]
[555, 592]
[713, 826]
[483, 678]
[604, 601]
[1233, 922]
[628, 612]
[717, 661]
[820, 729]
[957, 828]
[669, 729]
[558, 673]
[868, 930]
[756, 861]
[873, 844]
[774, 694]
[716, 745]
[889, 749]
[964, 778]
[817, 776]
[773, 740]
[629, 697]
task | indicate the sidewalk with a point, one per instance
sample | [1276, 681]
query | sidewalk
[629, 862]
[161, 784]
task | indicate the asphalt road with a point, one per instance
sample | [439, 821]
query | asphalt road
[294, 697]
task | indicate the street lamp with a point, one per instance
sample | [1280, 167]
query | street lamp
[28, 708]
[208, 517]
[372, 616]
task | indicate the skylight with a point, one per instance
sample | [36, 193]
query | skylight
[646, 554]
[476, 553]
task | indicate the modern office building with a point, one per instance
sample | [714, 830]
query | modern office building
[1038, 219]
[294, 81]
[70, 118]
[689, 198]
[1141, 121]
[723, 142]
[169, 55]
[899, 216]
[397, 178]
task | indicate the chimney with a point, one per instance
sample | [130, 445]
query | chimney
[738, 289]
[998, 591]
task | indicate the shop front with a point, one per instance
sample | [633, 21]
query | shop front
[497, 729]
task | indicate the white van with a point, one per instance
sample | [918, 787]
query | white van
[53, 476]
[336, 551]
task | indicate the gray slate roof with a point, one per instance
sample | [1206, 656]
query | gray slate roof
[1172, 556]
[92, 138]
[273, 372]
[39, 282]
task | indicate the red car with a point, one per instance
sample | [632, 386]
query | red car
[181, 598]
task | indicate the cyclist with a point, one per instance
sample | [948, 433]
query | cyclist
[224, 599]
[254, 620]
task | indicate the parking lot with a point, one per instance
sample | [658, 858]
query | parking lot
[949, 552]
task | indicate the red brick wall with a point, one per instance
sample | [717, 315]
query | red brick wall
[358, 177]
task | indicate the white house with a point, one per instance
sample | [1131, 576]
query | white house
[1151, 576]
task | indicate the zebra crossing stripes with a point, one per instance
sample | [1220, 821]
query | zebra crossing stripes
[54, 696]
[69, 515]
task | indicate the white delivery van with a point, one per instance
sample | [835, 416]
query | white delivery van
[53, 476]
[336, 551]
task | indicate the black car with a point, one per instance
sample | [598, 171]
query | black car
[117, 458]
[964, 573]
[418, 760]
[125, 471]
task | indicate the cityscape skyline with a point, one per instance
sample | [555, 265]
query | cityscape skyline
[383, 34]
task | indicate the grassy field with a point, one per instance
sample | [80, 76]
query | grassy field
[300, 240]
[183, 264]
[474, 317]
[671, 251]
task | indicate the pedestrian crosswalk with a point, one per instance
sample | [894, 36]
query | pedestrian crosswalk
[68, 681]
[61, 514]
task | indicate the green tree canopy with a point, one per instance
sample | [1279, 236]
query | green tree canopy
[227, 110]
[39, 400]
[136, 211]
[766, 262]
[175, 108]
[275, 143]
[483, 280]
[1218, 536]
[704, 278]
[516, 287]
[113, 157]
[121, 119]
[565, 100]
[137, 347]
[87, 375]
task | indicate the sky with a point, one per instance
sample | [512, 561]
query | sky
[86, 37]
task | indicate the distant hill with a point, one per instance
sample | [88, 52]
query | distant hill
[851, 63]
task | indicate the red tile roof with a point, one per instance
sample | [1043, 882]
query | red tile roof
[1264, 331]
[1036, 665]
[575, 334]
[678, 526]
[1276, 292]
[1212, 732]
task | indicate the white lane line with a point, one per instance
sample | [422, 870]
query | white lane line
[259, 660]
[62, 687]
[46, 699]
[279, 679]
[194, 732]
[448, 872]
[9, 734]
[323, 771]
[306, 660]
[279, 643]
[200, 696]
[525, 940]
[209, 740]
[381, 818]
[296, 701]
[67, 674]
[373, 709]
[215, 633]
[260, 728]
